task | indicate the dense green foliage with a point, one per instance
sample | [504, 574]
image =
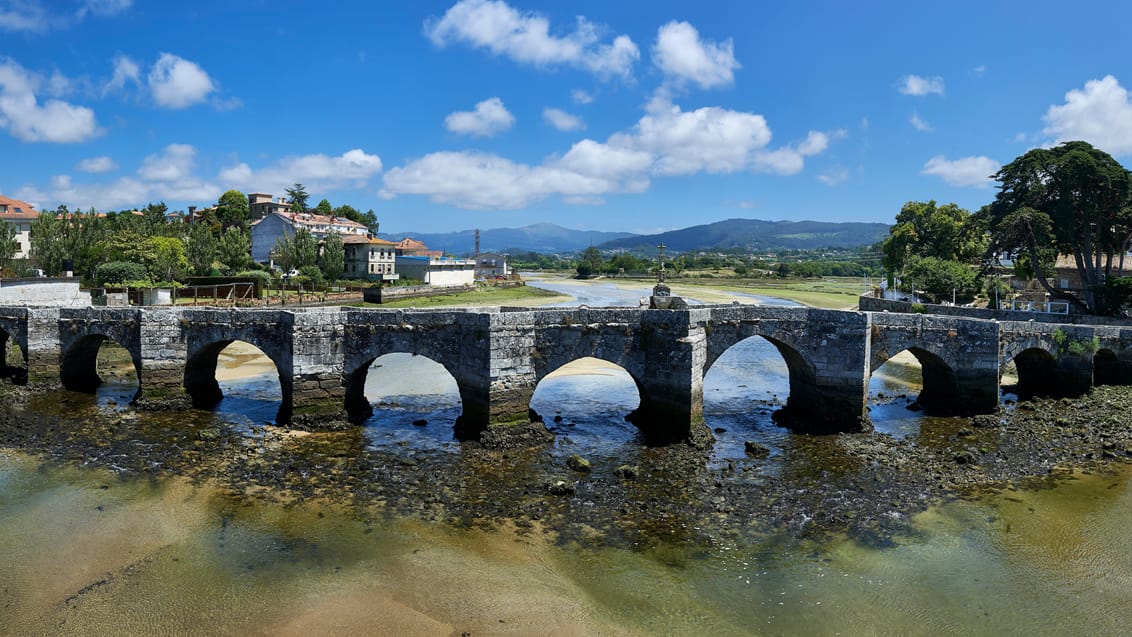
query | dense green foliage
[942, 279]
[333, 258]
[114, 273]
[1072, 199]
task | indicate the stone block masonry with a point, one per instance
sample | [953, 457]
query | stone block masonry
[498, 356]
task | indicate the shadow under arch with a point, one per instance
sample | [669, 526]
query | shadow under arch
[11, 353]
[78, 365]
[594, 391]
[939, 393]
[1107, 369]
[204, 389]
[1037, 373]
[401, 374]
[359, 408]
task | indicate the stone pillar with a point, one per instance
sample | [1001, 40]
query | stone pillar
[977, 372]
[43, 348]
[163, 354]
[831, 395]
[674, 345]
[503, 393]
[318, 357]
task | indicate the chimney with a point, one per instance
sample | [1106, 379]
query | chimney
[192, 213]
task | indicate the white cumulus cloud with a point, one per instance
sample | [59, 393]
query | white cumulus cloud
[562, 120]
[974, 172]
[919, 85]
[683, 56]
[665, 141]
[526, 38]
[176, 82]
[102, 164]
[320, 172]
[490, 117]
[27, 120]
[1100, 114]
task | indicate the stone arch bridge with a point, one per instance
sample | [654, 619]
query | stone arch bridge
[498, 355]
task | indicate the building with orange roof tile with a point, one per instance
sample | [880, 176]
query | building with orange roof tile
[19, 214]
[370, 258]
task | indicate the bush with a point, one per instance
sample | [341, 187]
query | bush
[119, 272]
[313, 274]
[918, 308]
[262, 276]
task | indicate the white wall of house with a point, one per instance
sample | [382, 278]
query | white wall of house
[437, 270]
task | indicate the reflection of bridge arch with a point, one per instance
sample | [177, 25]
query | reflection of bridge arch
[1107, 368]
[78, 365]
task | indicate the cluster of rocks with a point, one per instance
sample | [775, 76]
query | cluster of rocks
[867, 485]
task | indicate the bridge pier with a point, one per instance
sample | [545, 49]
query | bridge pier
[43, 346]
[163, 355]
[674, 344]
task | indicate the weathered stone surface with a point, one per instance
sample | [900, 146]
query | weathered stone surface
[498, 355]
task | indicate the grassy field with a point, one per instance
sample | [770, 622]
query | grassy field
[522, 295]
[829, 292]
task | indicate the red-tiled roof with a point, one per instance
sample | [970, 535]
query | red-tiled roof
[358, 238]
[16, 209]
[311, 219]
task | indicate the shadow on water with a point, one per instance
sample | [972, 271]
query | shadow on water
[742, 390]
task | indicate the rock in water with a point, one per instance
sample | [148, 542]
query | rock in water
[578, 463]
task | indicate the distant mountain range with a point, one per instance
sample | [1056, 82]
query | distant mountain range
[756, 235]
[540, 237]
[749, 234]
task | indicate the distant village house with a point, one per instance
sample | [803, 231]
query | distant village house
[19, 214]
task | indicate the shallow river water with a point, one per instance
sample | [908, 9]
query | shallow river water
[90, 552]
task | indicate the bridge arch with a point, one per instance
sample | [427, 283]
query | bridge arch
[13, 353]
[78, 361]
[357, 403]
[577, 376]
[200, 381]
[940, 392]
[1037, 372]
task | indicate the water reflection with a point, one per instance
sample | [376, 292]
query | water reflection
[416, 403]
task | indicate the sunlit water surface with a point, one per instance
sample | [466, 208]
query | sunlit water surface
[87, 552]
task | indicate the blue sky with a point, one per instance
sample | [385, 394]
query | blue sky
[634, 116]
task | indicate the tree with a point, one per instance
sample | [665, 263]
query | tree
[333, 257]
[232, 209]
[1072, 199]
[370, 220]
[296, 251]
[298, 196]
[234, 249]
[200, 248]
[9, 246]
[924, 229]
[590, 263]
[169, 262]
[943, 279]
[324, 208]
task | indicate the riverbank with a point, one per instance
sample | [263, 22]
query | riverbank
[864, 485]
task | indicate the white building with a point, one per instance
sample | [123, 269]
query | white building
[370, 258]
[490, 265]
[265, 232]
[19, 214]
[437, 270]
